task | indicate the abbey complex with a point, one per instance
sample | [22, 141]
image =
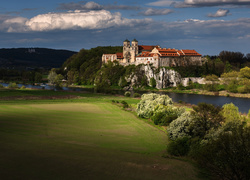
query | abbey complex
[155, 55]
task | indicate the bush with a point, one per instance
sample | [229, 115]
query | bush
[179, 128]
[1, 86]
[152, 82]
[136, 95]
[232, 86]
[23, 87]
[148, 102]
[211, 87]
[127, 93]
[12, 85]
[125, 104]
[181, 87]
[243, 89]
[122, 82]
[179, 147]
[163, 115]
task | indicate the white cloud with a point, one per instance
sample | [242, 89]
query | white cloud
[153, 12]
[219, 13]
[202, 3]
[93, 6]
[162, 3]
[75, 20]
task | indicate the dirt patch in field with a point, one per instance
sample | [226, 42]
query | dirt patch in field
[40, 97]
[156, 167]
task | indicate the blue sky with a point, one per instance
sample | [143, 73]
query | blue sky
[208, 26]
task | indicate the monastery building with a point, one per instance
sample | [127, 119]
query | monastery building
[155, 55]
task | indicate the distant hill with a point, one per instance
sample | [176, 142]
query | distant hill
[33, 57]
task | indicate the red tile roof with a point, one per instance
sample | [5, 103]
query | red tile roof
[146, 48]
[190, 52]
[145, 54]
[119, 55]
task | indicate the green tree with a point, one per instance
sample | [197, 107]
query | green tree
[52, 77]
[204, 118]
[245, 73]
[212, 82]
[227, 156]
[152, 82]
[38, 77]
[228, 67]
[58, 79]
[230, 112]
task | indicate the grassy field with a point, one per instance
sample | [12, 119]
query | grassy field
[83, 138]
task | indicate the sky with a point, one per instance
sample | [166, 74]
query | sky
[208, 26]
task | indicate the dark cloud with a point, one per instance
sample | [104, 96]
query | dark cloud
[156, 12]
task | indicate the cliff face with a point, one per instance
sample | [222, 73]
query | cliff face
[164, 77]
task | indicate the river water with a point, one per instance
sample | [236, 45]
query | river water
[242, 103]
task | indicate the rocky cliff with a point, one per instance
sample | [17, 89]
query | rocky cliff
[164, 77]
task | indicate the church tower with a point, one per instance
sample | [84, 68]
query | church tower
[135, 46]
[126, 51]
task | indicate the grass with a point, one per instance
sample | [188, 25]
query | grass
[85, 138]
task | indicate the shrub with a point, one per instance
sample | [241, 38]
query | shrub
[211, 87]
[181, 87]
[12, 85]
[148, 102]
[232, 86]
[122, 82]
[152, 82]
[179, 147]
[23, 87]
[1, 86]
[137, 95]
[125, 104]
[163, 115]
[179, 128]
[127, 93]
[243, 89]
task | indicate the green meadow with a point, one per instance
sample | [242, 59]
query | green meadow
[87, 137]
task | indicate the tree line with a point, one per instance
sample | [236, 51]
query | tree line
[217, 138]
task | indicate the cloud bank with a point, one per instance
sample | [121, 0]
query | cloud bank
[200, 3]
[205, 3]
[74, 20]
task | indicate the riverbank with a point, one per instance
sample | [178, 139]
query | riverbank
[210, 93]
[174, 90]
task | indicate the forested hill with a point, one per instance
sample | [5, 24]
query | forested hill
[87, 62]
[33, 57]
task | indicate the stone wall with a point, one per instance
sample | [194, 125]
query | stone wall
[199, 80]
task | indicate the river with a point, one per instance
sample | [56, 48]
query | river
[242, 103]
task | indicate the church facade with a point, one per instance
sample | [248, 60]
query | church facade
[155, 55]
